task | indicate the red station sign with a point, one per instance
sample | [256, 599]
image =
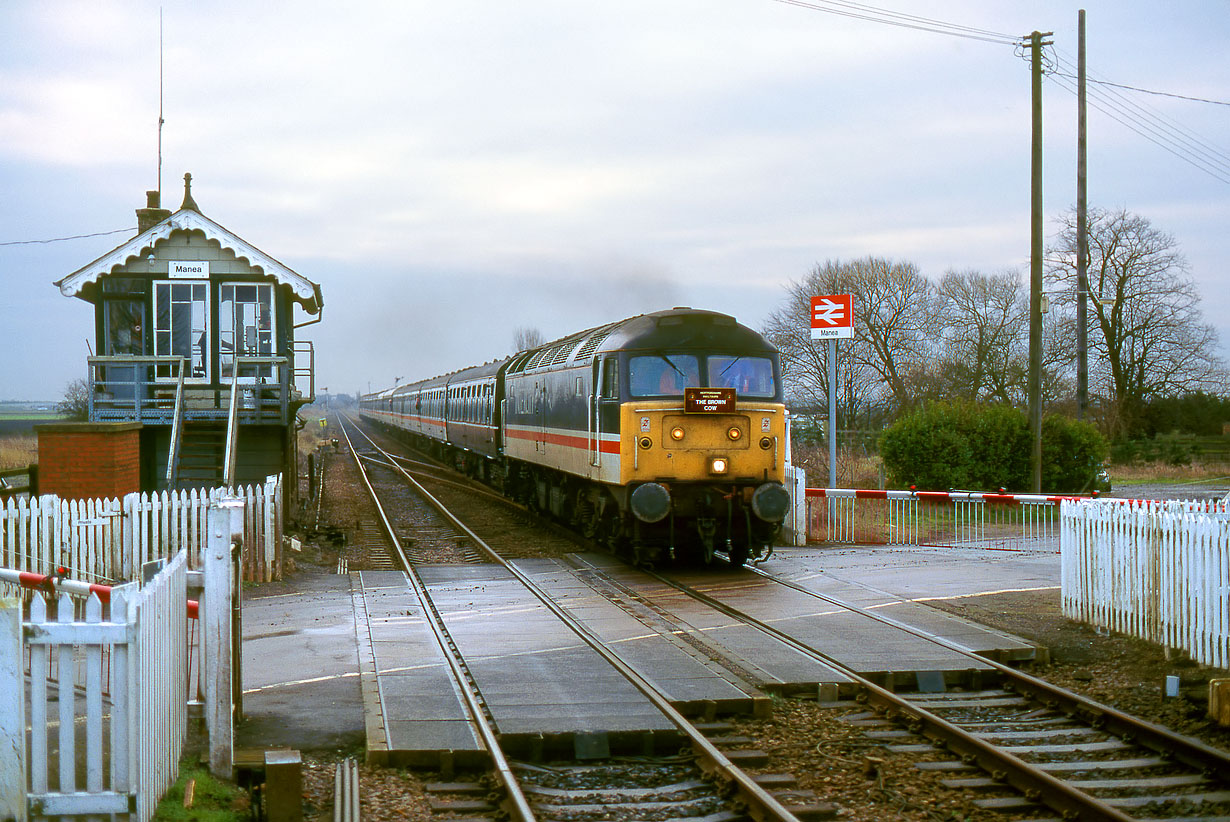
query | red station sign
[832, 317]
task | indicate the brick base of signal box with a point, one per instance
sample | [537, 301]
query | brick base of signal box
[83, 460]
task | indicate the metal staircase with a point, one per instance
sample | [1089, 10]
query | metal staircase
[201, 456]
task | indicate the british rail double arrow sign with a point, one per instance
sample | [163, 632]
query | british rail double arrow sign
[832, 317]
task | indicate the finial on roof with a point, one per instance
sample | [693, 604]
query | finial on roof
[188, 201]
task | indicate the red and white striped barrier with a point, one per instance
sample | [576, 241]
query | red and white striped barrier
[54, 584]
[939, 496]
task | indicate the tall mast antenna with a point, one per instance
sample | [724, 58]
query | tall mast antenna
[160, 120]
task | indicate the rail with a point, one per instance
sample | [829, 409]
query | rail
[1069, 800]
[519, 806]
[761, 805]
[346, 791]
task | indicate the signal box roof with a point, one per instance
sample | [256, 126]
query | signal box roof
[187, 219]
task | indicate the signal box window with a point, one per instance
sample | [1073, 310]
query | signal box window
[181, 326]
[124, 321]
[246, 317]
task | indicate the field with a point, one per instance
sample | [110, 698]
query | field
[18, 451]
[18, 443]
[1201, 470]
[21, 417]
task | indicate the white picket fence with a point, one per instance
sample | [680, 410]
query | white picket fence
[94, 695]
[106, 701]
[108, 540]
[1159, 571]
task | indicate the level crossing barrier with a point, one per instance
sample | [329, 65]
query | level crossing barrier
[936, 518]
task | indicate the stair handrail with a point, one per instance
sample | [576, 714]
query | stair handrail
[177, 428]
[232, 429]
[300, 350]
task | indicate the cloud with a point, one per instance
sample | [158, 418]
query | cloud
[451, 171]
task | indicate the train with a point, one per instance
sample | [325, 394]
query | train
[662, 437]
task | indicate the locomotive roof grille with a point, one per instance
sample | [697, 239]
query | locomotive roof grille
[534, 360]
[591, 345]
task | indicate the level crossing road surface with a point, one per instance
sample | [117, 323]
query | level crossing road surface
[331, 661]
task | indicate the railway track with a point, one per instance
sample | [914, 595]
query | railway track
[1034, 743]
[1024, 743]
[706, 784]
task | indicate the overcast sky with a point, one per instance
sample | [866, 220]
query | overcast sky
[450, 171]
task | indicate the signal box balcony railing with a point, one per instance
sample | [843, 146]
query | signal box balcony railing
[148, 389]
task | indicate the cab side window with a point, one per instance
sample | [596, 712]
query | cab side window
[610, 378]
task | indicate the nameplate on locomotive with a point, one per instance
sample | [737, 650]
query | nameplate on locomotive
[709, 400]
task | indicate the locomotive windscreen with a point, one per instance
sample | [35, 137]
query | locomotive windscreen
[666, 375]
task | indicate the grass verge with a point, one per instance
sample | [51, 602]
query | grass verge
[213, 800]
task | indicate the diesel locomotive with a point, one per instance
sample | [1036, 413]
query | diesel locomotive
[662, 436]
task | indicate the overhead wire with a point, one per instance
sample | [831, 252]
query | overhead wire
[1150, 124]
[1106, 97]
[1157, 93]
[62, 239]
[875, 14]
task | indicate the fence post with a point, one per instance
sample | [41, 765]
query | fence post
[796, 481]
[12, 713]
[225, 524]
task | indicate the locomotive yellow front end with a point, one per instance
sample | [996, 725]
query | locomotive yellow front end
[712, 438]
[705, 472]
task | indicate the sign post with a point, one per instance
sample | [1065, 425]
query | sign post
[832, 319]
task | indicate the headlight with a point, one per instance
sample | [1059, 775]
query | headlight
[734, 433]
[719, 465]
[766, 443]
[676, 433]
[646, 443]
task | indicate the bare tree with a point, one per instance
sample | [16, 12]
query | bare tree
[75, 406]
[525, 338]
[894, 323]
[893, 318]
[985, 320]
[1147, 335]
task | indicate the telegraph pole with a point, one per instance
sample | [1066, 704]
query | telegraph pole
[1035, 261]
[1082, 228]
